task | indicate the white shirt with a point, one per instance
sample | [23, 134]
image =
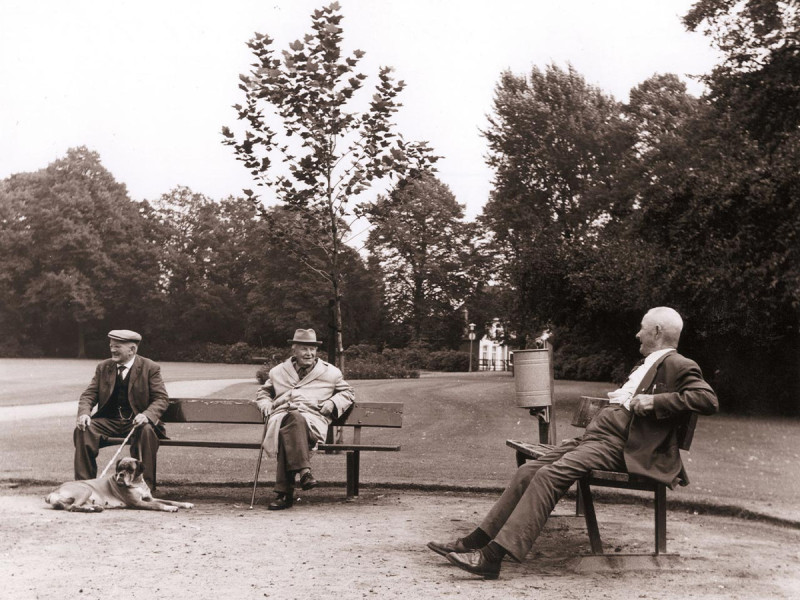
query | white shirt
[127, 367]
[624, 394]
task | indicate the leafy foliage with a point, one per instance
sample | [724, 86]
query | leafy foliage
[300, 110]
[426, 252]
[74, 254]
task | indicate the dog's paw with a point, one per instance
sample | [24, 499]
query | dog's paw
[187, 505]
[171, 508]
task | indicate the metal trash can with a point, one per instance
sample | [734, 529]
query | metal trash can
[533, 377]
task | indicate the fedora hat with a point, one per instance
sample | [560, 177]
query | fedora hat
[305, 336]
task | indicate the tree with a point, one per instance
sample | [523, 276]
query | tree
[332, 152]
[75, 253]
[758, 80]
[427, 256]
[556, 145]
[209, 265]
[285, 293]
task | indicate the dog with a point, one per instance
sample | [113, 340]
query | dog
[123, 489]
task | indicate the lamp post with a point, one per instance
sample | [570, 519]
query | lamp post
[471, 339]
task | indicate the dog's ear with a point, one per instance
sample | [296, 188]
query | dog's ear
[139, 468]
[116, 466]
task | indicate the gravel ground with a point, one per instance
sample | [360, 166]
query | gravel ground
[372, 547]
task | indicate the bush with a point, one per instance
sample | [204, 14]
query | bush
[448, 360]
[572, 362]
[368, 368]
[373, 367]
[415, 356]
[10, 348]
[367, 351]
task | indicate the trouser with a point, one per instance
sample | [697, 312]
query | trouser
[518, 516]
[295, 441]
[144, 446]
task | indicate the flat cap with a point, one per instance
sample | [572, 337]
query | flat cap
[124, 335]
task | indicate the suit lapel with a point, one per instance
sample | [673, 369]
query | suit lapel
[109, 379]
[647, 380]
[290, 373]
[319, 369]
[136, 371]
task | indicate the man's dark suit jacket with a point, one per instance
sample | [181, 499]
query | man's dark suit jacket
[652, 446]
[146, 391]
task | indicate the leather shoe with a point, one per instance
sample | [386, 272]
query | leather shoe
[474, 562]
[447, 547]
[307, 481]
[283, 501]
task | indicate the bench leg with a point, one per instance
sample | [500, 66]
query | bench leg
[590, 516]
[353, 460]
[578, 502]
[661, 518]
[521, 458]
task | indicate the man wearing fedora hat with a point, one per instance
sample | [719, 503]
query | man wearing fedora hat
[129, 393]
[299, 400]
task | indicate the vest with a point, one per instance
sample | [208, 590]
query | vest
[118, 406]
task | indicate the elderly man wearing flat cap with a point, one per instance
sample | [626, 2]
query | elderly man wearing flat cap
[299, 400]
[129, 393]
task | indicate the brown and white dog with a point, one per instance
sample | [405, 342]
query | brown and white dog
[123, 489]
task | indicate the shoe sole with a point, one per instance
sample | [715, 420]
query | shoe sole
[463, 567]
[438, 549]
[309, 486]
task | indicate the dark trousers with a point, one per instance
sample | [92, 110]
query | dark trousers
[144, 446]
[519, 515]
[295, 441]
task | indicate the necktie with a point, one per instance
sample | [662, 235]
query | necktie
[120, 369]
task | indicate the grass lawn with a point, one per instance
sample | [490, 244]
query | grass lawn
[454, 432]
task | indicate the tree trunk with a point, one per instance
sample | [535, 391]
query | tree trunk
[337, 321]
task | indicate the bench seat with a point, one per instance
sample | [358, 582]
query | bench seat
[243, 411]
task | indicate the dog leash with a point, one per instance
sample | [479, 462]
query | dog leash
[113, 458]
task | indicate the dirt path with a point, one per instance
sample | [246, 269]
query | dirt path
[373, 547]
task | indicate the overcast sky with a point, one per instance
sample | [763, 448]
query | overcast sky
[149, 84]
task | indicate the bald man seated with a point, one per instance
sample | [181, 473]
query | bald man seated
[634, 433]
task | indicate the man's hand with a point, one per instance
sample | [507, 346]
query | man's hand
[642, 404]
[327, 408]
[140, 420]
[83, 422]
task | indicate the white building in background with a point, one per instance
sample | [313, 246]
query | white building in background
[493, 352]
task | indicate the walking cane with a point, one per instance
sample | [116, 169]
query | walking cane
[258, 464]
[122, 445]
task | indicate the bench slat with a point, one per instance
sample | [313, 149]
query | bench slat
[365, 447]
[606, 478]
[373, 414]
[245, 411]
[204, 444]
[211, 410]
[256, 445]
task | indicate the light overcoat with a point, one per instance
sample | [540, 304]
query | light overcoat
[285, 391]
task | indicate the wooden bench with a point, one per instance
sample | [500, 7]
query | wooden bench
[584, 413]
[245, 411]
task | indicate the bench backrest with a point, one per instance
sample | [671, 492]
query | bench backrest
[588, 407]
[244, 410]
